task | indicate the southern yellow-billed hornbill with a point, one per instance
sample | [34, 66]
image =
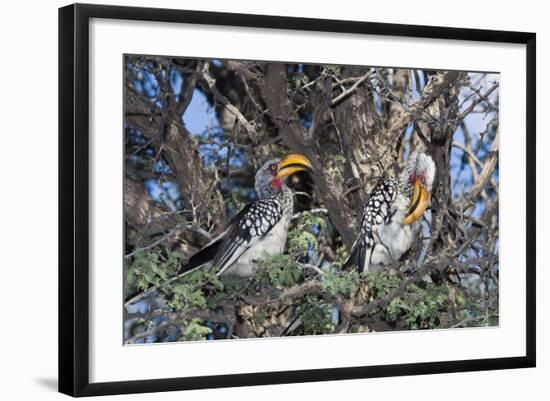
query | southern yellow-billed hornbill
[390, 217]
[260, 229]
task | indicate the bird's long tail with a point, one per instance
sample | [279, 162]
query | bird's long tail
[359, 257]
[293, 325]
[203, 256]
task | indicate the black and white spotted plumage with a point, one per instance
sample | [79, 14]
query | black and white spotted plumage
[376, 211]
[253, 226]
[384, 233]
[260, 229]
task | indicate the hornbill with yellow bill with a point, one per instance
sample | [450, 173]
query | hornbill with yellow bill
[390, 218]
[260, 229]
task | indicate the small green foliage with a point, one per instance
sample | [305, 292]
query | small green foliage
[192, 291]
[185, 296]
[382, 283]
[419, 306]
[150, 268]
[280, 270]
[224, 288]
[332, 69]
[335, 166]
[316, 315]
[194, 330]
[299, 242]
[260, 315]
[308, 220]
[342, 253]
[301, 237]
[343, 283]
[212, 280]
[297, 80]
[153, 268]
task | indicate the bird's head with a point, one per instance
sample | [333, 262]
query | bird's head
[273, 173]
[419, 176]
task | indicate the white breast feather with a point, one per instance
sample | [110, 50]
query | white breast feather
[272, 244]
[393, 239]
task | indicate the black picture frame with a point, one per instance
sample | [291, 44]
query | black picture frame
[74, 198]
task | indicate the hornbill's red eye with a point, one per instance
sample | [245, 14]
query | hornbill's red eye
[273, 167]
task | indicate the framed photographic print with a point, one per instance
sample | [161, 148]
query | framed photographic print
[307, 199]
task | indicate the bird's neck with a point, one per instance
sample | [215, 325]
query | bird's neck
[269, 191]
[286, 192]
[287, 197]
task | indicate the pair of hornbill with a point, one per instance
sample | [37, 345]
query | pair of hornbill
[389, 221]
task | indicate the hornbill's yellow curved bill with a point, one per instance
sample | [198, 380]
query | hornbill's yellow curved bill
[291, 164]
[420, 201]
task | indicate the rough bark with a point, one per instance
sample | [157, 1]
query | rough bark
[176, 145]
[283, 114]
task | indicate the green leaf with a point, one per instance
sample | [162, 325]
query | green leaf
[343, 283]
[194, 330]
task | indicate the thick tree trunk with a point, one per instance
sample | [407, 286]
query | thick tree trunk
[282, 113]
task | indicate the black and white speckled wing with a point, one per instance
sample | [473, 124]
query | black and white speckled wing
[252, 224]
[376, 211]
[244, 230]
